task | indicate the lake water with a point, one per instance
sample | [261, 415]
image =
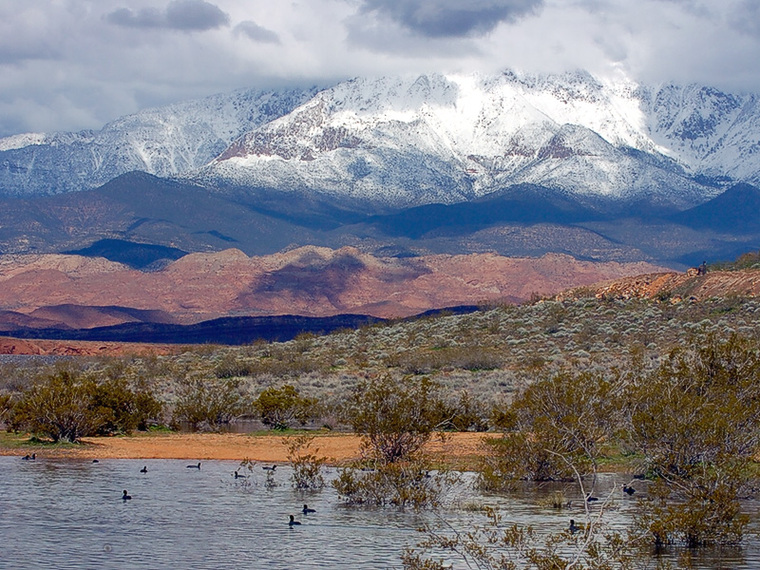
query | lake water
[68, 514]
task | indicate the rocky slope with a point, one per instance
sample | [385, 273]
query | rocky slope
[77, 292]
[674, 287]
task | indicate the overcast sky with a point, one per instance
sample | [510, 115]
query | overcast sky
[77, 64]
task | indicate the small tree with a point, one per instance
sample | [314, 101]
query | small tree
[60, 406]
[696, 420]
[129, 410]
[395, 419]
[279, 408]
[553, 428]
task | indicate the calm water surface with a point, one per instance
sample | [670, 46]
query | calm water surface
[69, 514]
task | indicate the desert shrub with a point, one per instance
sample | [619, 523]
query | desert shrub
[128, 409]
[209, 403]
[279, 408]
[461, 414]
[60, 406]
[696, 421]
[394, 418]
[6, 407]
[306, 464]
[553, 429]
[233, 366]
[400, 484]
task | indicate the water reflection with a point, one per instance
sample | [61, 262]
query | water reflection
[69, 514]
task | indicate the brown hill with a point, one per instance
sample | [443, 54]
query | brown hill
[311, 281]
[674, 287]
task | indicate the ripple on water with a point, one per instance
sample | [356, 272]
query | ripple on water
[69, 515]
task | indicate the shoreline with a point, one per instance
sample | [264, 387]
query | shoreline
[339, 449]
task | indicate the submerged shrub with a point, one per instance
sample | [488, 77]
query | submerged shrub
[306, 464]
[401, 484]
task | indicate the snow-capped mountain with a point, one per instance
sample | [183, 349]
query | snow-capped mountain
[404, 141]
[164, 141]
[450, 138]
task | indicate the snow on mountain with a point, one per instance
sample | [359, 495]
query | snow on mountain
[413, 140]
[164, 141]
[449, 138]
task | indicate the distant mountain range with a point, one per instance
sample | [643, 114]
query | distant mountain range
[404, 141]
[407, 193]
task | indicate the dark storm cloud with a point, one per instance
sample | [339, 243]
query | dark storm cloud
[452, 18]
[256, 33]
[185, 15]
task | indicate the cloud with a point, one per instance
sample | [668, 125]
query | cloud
[745, 17]
[256, 33]
[451, 18]
[184, 15]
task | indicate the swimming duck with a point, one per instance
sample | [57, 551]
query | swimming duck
[268, 468]
[194, 466]
[292, 521]
[628, 490]
[125, 496]
[306, 510]
[144, 469]
[574, 527]
[239, 476]
[95, 461]
[590, 499]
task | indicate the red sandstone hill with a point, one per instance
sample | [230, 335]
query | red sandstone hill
[674, 287]
[79, 292]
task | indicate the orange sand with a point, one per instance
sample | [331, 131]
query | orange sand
[338, 448]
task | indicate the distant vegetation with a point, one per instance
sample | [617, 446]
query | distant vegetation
[667, 391]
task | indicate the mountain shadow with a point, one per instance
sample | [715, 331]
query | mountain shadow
[136, 255]
[735, 211]
[524, 203]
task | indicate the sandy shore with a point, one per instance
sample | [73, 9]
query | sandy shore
[337, 448]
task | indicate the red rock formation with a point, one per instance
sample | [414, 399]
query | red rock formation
[310, 281]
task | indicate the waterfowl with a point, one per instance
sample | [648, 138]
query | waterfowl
[628, 490]
[194, 466]
[590, 499]
[292, 521]
[125, 496]
[34, 456]
[574, 527]
[306, 510]
[95, 461]
[239, 476]
[26, 457]
[268, 468]
[144, 469]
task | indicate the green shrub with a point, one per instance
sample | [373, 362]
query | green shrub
[61, 406]
[279, 408]
[394, 418]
